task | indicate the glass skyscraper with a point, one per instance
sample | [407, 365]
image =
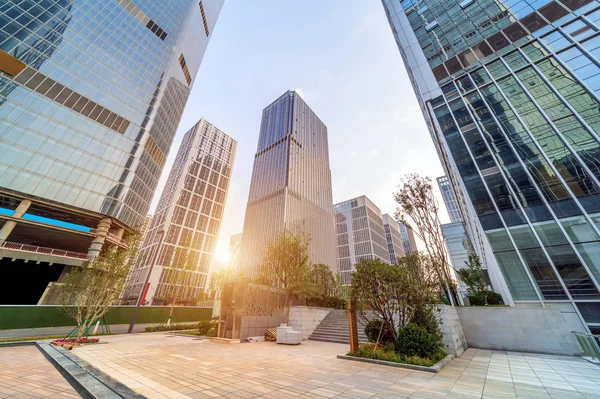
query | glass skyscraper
[359, 234]
[184, 231]
[449, 199]
[91, 93]
[393, 238]
[510, 92]
[291, 184]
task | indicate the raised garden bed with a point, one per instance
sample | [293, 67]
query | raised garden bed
[433, 369]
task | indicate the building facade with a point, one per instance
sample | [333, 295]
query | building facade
[393, 237]
[408, 239]
[235, 243]
[91, 93]
[510, 94]
[449, 199]
[184, 230]
[359, 234]
[291, 184]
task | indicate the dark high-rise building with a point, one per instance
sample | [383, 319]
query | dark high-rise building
[291, 184]
[510, 92]
[184, 231]
[393, 238]
[408, 238]
[91, 93]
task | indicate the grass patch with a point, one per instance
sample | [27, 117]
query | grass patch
[172, 327]
[211, 333]
[368, 351]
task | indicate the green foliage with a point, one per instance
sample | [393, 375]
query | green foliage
[90, 291]
[485, 298]
[387, 353]
[414, 340]
[426, 317]
[286, 262]
[172, 327]
[474, 279]
[374, 331]
[327, 302]
[206, 325]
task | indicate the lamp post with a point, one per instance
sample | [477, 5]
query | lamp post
[143, 290]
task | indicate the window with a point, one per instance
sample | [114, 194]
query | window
[185, 70]
[204, 19]
[157, 30]
[430, 26]
[465, 3]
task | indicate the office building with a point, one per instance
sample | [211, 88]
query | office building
[449, 199]
[359, 234]
[91, 93]
[510, 91]
[408, 239]
[184, 230]
[291, 184]
[393, 237]
[235, 242]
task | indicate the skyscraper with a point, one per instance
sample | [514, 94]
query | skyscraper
[91, 93]
[408, 238]
[510, 91]
[359, 234]
[291, 184]
[393, 238]
[185, 228]
[449, 199]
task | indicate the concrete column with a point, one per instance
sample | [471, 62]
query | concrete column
[119, 233]
[98, 241]
[11, 224]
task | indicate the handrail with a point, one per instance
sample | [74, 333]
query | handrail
[42, 250]
[589, 344]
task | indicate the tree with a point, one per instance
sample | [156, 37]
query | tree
[286, 263]
[89, 291]
[323, 281]
[474, 279]
[417, 202]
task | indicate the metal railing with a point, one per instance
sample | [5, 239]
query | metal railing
[42, 250]
[589, 344]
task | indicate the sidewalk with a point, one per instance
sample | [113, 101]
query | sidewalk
[50, 331]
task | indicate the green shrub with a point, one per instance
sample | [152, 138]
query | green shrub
[327, 302]
[493, 298]
[172, 327]
[387, 354]
[205, 326]
[372, 330]
[425, 316]
[414, 340]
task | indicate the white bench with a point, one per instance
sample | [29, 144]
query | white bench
[286, 335]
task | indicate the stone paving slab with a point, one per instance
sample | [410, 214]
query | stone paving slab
[163, 366]
[26, 373]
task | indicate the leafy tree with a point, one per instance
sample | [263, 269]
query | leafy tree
[417, 203]
[89, 291]
[474, 279]
[286, 263]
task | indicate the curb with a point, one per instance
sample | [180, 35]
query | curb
[436, 368]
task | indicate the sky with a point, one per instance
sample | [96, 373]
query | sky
[341, 57]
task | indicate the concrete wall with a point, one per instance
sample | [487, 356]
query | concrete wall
[306, 319]
[256, 326]
[454, 337]
[542, 330]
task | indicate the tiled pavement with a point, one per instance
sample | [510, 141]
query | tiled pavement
[162, 366]
[25, 373]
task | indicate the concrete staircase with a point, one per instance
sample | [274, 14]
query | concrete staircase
[334, 328]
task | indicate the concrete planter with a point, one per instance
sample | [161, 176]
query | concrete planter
[433, 369]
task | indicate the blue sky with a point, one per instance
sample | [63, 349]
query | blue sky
[340, 55]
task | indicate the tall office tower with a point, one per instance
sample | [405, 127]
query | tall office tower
[359, 234]
[449, 199]
[393, 237]
[91, 93]
[235, 243]
[183, 233]
[291, 184]
[510, 93]
[408, 238]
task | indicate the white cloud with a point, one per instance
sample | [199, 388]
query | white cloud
[373, 153]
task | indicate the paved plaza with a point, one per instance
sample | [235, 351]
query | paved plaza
[163, 366]
[25, 373]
